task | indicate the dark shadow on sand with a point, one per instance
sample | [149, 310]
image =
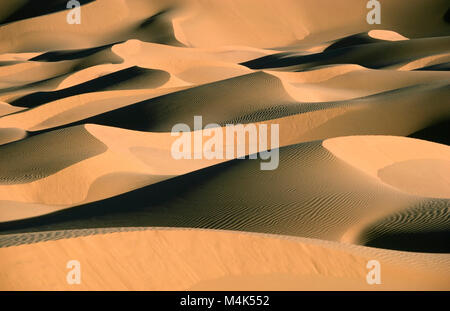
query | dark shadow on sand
[63, 55]
[425, 242]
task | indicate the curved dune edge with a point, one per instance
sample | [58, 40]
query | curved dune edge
[8, 135]
[341, 82]
[174, 259]
[332, 200]
[85, 118]
[119, 158]
[345, 84]
[386, 35]
[71, 109]
[148, 155]
[198, 24]
[425, 61]
[18, 56]
[13, 210]
[410, 165]
[7, 109]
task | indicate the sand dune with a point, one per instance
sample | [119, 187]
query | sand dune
[87, 170]
[214, 260]
[290, 90]
[167, 107]
[339, 205]
[398, 51]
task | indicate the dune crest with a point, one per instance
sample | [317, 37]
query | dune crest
[396, 161]
[93, 166]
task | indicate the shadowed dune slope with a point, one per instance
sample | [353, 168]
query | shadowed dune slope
[357, 118]
[129, 78]
[214, 260]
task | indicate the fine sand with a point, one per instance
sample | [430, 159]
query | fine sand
[87, 172]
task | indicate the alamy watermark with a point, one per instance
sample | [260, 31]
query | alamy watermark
[233, 145]
[74, 275]
[374, 15]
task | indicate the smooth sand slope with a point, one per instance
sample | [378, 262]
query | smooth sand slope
[153, 94]
[312, 193]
